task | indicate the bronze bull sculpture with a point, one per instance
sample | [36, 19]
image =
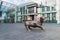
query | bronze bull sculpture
[29, 24]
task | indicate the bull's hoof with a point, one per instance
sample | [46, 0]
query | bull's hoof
[29, 30]
[43, 30]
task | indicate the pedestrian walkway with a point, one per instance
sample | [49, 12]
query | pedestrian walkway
[17, 31]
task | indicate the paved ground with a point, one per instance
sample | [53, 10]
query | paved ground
[18, 32]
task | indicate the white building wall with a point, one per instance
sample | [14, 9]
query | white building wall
[39, 10]
[58, 11]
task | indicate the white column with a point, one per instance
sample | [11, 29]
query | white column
[34, 9]
[58, 17]
[27, 10]
[50, 13]
[58, 11]
[50, 8]
[35, 14]
[50, 16]
[15, 16]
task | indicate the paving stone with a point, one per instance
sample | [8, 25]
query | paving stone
[17, 31]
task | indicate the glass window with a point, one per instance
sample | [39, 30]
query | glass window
[48, 8]
[18, 9]
[31, 10]
[42, 14]
[48, 16]
[53, 9]
[43, 8]
[23, 10]
[53, 16]
[0, 2]
[0, 5]
[0, 13]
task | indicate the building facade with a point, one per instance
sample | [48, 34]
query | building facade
[2, 13]
[19, 12]
[6, 11]
[33, 8]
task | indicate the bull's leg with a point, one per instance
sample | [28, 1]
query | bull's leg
[29, 29]
[41, 27]
[26, 27]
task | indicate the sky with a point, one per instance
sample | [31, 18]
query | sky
[17, 2]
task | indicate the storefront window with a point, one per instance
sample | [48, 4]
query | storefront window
[48, 16]
[53, 16]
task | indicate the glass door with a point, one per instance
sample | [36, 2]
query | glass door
[54, 17]
[48, 17]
